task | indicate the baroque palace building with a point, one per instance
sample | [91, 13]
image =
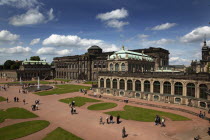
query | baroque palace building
[88, 65]
[131, 74]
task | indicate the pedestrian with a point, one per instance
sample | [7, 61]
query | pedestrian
[118, 119]
[72, 111]
[163, 122]
[123, 132]
[15, 99]
[24, 101]
[107, 120]
[73, 103]
[101, 120]
[111, 119]
[7, 100]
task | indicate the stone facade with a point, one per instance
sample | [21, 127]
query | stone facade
[88, 65]
[180, 88]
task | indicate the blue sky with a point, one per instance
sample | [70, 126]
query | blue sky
[51, 28]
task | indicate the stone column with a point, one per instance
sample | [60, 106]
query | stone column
[197, 91]
[151, 86]
[118, 83]
[184, 89]
[126, 86]
[172, 88]
[104, 82]
[99, 82]
[111, 83]
[142, 86]
[134, 86]
[161, 87]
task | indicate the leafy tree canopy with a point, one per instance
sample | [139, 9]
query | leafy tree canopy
[35, 58]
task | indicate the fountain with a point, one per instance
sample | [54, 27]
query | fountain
[20, 81]
[38, 86]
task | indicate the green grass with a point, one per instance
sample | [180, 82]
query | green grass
[102, 106]
[61, 89]
[64, 80]
[61, 134]
[22, 129]
[79, 101]
[145, 115]
[15, 113]
[91, 82]
[30, 82]
[2, 99]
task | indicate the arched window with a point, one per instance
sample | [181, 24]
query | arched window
[111, 67]
[107, 83]
[122, 84]
[117, 67]
[178, 88]
[101, 82]
[138, 85]
[146, 86]
[122, 67]
[156, 85]
[130, 85]
[203, 91]
[166, 88]
[191, 89]
[114, 83]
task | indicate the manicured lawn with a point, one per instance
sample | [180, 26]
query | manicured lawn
[145, 115]
[64, 80]
[79, 101]
[30, 82]
[102, 106]
[61, 89]
[16, 113]
[61, 134]
[91, 82]
[2, 99]
[22, 129]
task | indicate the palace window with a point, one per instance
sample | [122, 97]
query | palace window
[146, 86]
[114, 83]
[130, 85]
[101, 82]
[166, 88]
[108, 83]
[117, 67]
[178, 88]
[111, 67]
[156, 85]
[122, 84]
[138, 85]
[203, 91]
[191, 89]
[122, 67]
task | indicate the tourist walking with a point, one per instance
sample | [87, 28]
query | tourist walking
[7, 100]
[163, 122]
[15, 99]
[111, 119]
[101, 120]
[123, 132]
[118, 119]
[107, 120]
[24, 101]
[72, 111]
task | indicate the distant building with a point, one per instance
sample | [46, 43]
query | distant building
[204, 64]
[29, 70]
[88, 65]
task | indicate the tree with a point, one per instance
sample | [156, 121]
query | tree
[35, 58]
[8, 64]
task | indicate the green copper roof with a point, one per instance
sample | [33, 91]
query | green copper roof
[123, 54]
[34, 62]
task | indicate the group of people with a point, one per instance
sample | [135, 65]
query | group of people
[202, 115]
[83, 91]
[160, 121]
[4, 87]
[72, 106]
[34, 107]
[109, 119]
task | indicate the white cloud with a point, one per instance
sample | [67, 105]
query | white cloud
[35, 41]
[196, 35]
[115, 14]
[143, 36]
[70, 41]
[116, 23]
[7, 36]
[20, 3]
[53, 51]
[32, 16]
[179, 61]
[159, 43]
[15, 50]
[164, 26]
[73, 41]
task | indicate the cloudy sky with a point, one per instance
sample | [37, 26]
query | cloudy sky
[51, 28]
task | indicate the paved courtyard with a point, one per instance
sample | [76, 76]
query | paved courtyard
[85, 124]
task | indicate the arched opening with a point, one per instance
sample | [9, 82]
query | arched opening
[117, 67]
[146, 86]
[108, 83]
[166, 88]
[122, 84]
[138, 85]
[111, 67]
[130, 85]
[191, 89]
[101, 82]
[122, 67]
[178, 88]
[156, 85]
[114, 83]
[203, 91]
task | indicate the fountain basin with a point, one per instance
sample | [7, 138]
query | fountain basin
[34, 88]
